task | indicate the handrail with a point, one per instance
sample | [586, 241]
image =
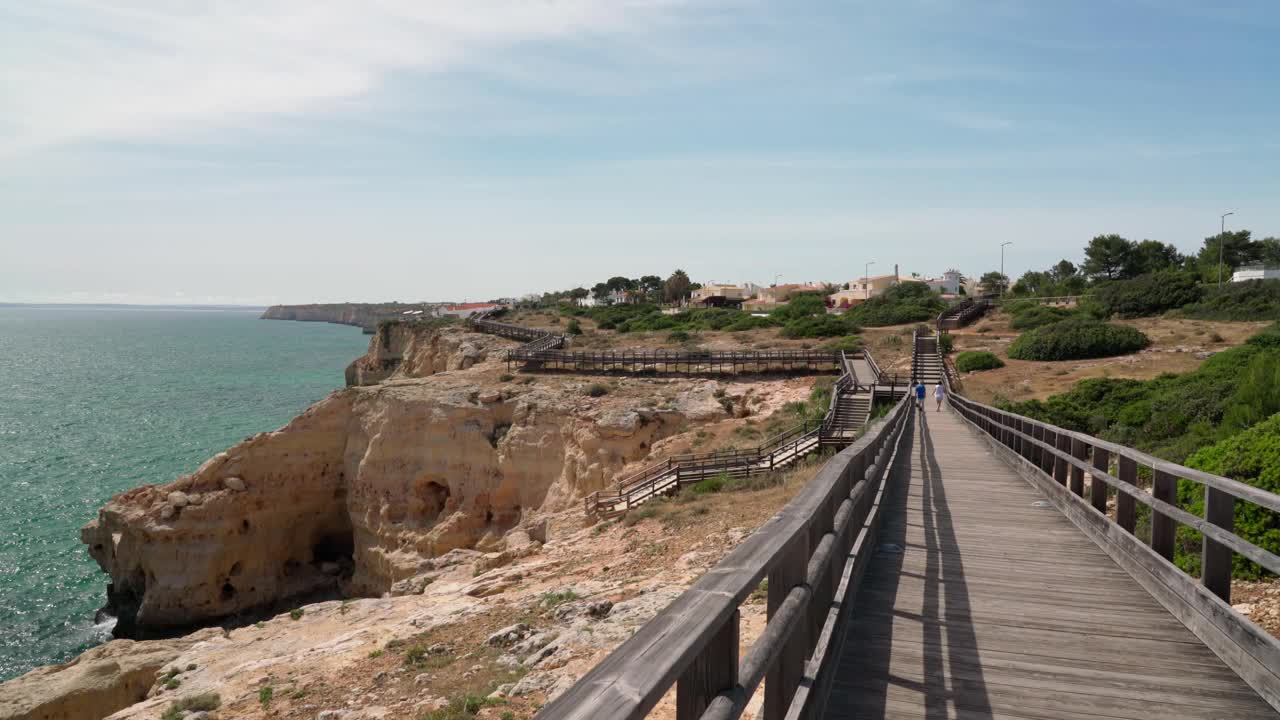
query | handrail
[1057, 460]
[813, 552]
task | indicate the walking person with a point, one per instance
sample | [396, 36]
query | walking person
[939, 394]
[920, 395]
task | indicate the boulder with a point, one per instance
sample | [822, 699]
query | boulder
[235, 484]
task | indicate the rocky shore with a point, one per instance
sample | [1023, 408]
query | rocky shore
[433, 472]
[362, 315]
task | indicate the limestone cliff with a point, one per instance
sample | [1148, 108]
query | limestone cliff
[365, 315]
[368, 484]
[412, 349]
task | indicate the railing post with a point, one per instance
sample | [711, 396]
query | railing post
[1163, 527]
[713, 671]
[1126, 515]
[1063, 445]
[1079, 451]
[1216, 558]
[784, 676]
[1098, 488]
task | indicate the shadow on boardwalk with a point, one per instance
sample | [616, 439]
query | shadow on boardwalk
[945, 629]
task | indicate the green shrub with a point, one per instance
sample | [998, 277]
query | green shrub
[1150, 294]
[816, 326]
[1250, 300]
[903, 303]
[1253, 458]
[265, 694]
[800, 306]
[678, 336]
[1077, 339]
[709, 485]
[848, 343]
[574, 327]
[596, 390]
[1038, 316]
[296, 613]
[205, 702]
[946, 343]
[976, 360]
[556, 598]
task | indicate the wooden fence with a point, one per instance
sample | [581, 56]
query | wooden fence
[813, 552]
[962, 313]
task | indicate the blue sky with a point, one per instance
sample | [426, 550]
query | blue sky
[282, 151]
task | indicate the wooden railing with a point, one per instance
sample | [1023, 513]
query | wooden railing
[1057, 461]
[813, 552]
[962, 313]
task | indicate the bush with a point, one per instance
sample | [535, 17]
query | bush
[596, 390]
[848, 343]
[976, 360]
[1150, 294]
[1252, 457]
[1250, 300]
[800, 306]
[1038, 316]
[205, 702]
[679, 336]
[709, 485]
[816, 326]
[574, 327]
[903, 303]
[1077, 339]
[946, 343]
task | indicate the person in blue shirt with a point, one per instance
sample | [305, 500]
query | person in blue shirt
[920, 395]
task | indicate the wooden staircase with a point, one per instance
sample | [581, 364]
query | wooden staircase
[926, 362]
[851, 413]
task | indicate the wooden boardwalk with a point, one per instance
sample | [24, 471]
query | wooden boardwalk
[999, 608]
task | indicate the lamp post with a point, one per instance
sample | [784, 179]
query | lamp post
[866, 280]
[775, 279]
[1002, 264]
[1222, 240]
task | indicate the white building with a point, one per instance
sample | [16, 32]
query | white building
[1255, 272]
[948, 284]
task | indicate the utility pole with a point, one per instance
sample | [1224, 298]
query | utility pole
[1002, 265]
[1222, 240]
[866, 280]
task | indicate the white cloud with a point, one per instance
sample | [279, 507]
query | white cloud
[147, 69]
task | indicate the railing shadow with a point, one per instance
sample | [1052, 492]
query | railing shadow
[952, 682]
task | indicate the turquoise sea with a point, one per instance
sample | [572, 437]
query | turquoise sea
[97, 400]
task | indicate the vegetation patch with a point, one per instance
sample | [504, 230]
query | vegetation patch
[903, 303]
[205, 702]
[1250, 300]
[1029, 316]
[596, 390]
[1077, 339]
[1146, 295]
[976, 360]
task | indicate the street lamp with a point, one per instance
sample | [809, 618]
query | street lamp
[1222, 240]
[866, 280]
[1002, 263]
[775, 279]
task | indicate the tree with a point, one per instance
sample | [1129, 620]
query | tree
[677, 287]
[1063, 271]
[651, 286]
[600, 291]
[994, 282]
[1237, 249]
[1151, 256]
[1270, 250]
[1033, 282]
[579, 293]
[1107, 257]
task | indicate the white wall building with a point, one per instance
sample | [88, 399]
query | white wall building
[1255, 272]
[948, 284]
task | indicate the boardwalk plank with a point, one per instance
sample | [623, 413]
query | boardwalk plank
[996, 608]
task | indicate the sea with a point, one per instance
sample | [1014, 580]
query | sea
[96, 400]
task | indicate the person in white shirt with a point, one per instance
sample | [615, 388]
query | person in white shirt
[939, 394]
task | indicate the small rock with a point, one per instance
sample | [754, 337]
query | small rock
[599, 608]
[331, 715]
[380, 677]
[194, 498]
[330, 568]
[178, 499]
[490, 396]
[509, 635]
[235, 484]
[167, 511]
[421, 679]
[438, 649]
[1243, 608]
[201, 715]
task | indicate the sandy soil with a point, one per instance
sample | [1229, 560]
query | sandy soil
[1178, 346]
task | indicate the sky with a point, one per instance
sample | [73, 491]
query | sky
[292, 151]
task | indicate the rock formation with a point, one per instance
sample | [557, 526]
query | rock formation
[368, 484]
[410, 349]
[364, 315]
